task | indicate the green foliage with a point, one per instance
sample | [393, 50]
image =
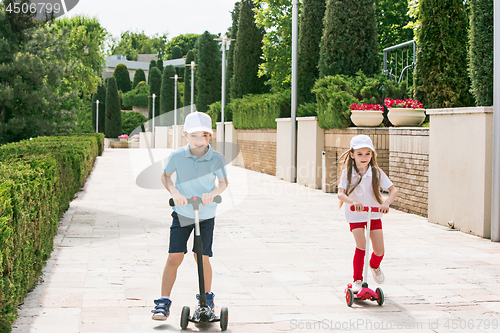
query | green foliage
[185, 42]
[84, 119]
[307, 110]
[122, 77]
[154, 88]
[131, 121]
[113, 121]
[208, 72]
[38, 179]
[481, 51]
[100, 95]
[176, 52]
[335, 94]
[260, 111]
[133, 43]
[232, 33]
[349, 42]
[159, 64]
[167, 91]
[275, 18]
[441, 78]
[187, 80]
[152, 64]
[138, 96]
[214, 111]
[392, 18]
[311, 30]
[139, 76]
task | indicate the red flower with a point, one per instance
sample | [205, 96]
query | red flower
[367, 107]
[407, 103]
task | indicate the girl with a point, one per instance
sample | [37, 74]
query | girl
[360, 185]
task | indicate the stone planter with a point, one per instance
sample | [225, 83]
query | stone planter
[406, 116]
[123, 139]
[367, 118]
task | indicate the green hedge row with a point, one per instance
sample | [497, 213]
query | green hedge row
[38, 179]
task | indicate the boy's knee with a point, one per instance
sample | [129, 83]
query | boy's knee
[175, 259]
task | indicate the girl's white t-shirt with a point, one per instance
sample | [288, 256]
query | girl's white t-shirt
[363, 194]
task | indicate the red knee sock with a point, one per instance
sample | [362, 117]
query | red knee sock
[375, 260]
[358, 263]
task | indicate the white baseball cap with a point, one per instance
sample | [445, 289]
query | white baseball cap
[361, 141]
[198, 121]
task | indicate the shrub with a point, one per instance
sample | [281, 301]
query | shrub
[132, 120]
[122, 78]
[260, 111]
[307, 110]
[154, 88]
[138, 96]
[214, 111]
[38, 179]
[139, 76]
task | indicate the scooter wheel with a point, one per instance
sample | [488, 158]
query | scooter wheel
[185, 317]
[349, 297]
[380, 294]
[223, 319]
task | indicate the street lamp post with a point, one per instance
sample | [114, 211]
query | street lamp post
[176, 77]
[153, 129]
[295, 19]
[192, 84]
[224, 40]
[495, 197]
[97, 116]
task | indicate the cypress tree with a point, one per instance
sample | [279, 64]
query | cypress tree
[159, 64]
[154, 88]
[311, 30]
[138, 77]
[208, 72]
[113, 121]
[122, 78]
[176, 52]
[235, 15]
[101, 96]
[152, 64]
[349, 43]
[167, 90]
[481, 51]
[441, 78]
[187, 79]
[247, 54]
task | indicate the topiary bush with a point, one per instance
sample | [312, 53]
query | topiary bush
[122, 78]
[132, 120]
[139, 76]
[138, 96]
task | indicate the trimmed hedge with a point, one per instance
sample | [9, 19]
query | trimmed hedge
[38, 179]
[260, 111]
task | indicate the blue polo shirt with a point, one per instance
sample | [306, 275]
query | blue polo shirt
[195, 176]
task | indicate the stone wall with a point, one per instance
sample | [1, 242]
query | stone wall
[258, 150]
[409, 168]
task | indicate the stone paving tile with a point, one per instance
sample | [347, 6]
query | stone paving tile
[282, 258]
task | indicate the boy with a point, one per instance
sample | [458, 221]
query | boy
[197, 167]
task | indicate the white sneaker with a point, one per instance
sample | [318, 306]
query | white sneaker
[378, 275]
[356, 286]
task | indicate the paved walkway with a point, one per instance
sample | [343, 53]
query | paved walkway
[282, 258]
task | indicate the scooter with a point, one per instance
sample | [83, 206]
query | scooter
[365, 293]
[203, 314]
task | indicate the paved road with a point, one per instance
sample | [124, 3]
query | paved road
[282, 258]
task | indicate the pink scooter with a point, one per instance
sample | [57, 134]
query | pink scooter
[365, 292]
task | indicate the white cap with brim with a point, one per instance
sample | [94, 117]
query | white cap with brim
[361, 141]
[198, 121]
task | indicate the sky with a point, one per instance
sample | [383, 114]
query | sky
[174, 17]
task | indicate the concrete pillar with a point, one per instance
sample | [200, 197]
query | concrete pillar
[145, 140]
[161, 136]
[460, 168]
[283, 149]
[231, 143]
[310, 145]
[219, 138]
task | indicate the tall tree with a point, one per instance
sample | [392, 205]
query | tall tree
[154, 88]
[184, 42]
[441, 78]
[113, 121]
[100, 96]
[176, 52]
[208, 72]
[274, 17]
[133, 43]
[152, 64]
[349, 43]
[187, 79]
[233, 31]
[311, 30]
[138, 77]
[481, 51]
[392, 23]
[247, 54]
[167, 90]
[159, 64]
[122, 77]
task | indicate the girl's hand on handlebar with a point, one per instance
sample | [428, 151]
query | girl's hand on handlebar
[207, 198]
[384, 208]
[358, 206]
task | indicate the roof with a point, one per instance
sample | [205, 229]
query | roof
[114, 60]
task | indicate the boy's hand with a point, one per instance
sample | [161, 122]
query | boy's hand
[358, 206]
[179, 199]
[207, 198]
[384, 208]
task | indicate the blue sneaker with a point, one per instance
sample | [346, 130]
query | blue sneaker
[162, 309]
[210, 299]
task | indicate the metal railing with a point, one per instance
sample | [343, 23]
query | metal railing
[399, 66]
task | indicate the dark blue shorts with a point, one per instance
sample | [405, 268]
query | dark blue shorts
[179, 235]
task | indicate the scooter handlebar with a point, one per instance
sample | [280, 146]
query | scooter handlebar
[365, 209]
[217, 199]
